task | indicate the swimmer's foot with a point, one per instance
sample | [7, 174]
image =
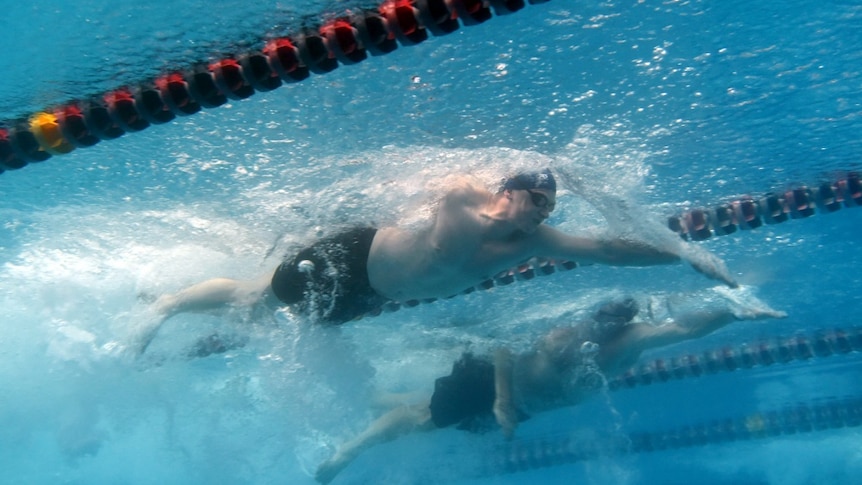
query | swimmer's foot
[141, 334]
[147, 298]
[746, 306]
[327, 470]
[144, 327]
[138, 331]
[215, 344]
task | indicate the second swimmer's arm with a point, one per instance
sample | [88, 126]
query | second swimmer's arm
[504, 406]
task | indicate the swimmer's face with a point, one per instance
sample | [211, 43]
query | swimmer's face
[535, 205]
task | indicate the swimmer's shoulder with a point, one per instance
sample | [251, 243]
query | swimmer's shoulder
[465, 191]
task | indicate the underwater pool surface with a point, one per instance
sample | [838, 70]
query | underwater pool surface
[645, 110]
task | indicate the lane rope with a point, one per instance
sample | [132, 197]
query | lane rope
[348, 39]
[749, 212]
[758, 354]
[801, 418]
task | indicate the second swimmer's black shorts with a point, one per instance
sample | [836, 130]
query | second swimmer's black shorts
[334, 287]
[465, 394]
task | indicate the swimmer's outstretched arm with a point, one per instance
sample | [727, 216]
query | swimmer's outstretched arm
[588, 250]
[639, 337]
[623, 252]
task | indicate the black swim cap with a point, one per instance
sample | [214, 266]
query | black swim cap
[617, 311]
[543, 180]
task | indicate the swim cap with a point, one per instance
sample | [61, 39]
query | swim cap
[543, 180]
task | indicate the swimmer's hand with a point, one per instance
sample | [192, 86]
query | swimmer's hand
[712, 267]
[745, 306]
[504, 407]
[507, 417]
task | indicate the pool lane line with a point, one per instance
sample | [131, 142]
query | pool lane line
[348, 39]
[759, 354]
[798, 419]
[523, 272]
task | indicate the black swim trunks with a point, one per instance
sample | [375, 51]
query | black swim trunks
[334, 287]
[465, 396]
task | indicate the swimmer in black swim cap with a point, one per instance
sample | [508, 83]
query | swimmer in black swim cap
[474, 234]
[541, 180]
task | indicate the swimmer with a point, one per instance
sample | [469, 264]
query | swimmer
[564, 367]
[474, 235]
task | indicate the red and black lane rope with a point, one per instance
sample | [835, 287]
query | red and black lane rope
[347, 39]
[752, 212]
[524, 272]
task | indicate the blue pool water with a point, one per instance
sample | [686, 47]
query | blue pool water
[666, 105]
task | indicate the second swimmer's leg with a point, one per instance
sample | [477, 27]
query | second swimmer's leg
[400, 421]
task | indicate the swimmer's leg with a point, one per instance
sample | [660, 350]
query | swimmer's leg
[209, 295]
[212, 294]
[400, 421]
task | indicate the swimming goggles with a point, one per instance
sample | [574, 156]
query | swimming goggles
[540, 200]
